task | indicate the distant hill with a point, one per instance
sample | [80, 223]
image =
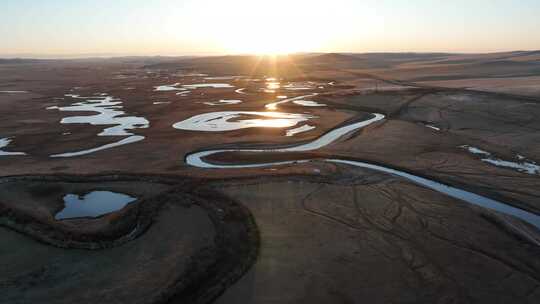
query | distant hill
[21, 61]
[405, 65]
[335, 57]
[236, 65]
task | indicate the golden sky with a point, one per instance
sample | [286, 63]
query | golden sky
[168, 27]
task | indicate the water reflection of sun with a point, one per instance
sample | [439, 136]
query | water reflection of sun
[272, 123]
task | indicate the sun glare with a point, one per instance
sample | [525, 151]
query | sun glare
[279, 28]
[269, 39]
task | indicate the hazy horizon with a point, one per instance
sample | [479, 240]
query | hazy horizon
[209, 54]
[60, 28]
[121, 55]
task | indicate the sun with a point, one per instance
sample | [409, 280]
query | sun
[269, 39]
[247, 27]
[264, 46]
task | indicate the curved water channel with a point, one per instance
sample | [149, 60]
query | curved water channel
[235, 120]
[4, 142]
[109, 114]
[197, 159]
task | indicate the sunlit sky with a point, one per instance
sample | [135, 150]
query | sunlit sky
[186, 27]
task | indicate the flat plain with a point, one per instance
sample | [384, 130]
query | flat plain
[308, 178]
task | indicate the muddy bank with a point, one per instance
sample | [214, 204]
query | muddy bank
[192, 244]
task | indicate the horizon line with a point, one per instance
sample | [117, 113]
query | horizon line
[218, 54]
